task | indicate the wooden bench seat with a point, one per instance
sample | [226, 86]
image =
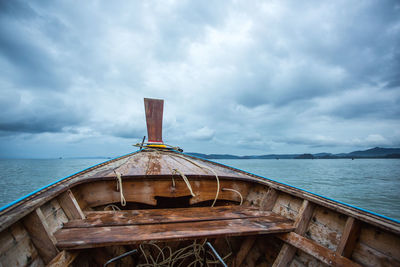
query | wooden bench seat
[106, 228]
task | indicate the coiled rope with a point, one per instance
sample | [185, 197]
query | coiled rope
[165, 256]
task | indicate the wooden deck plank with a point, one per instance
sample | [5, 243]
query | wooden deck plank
[349, 237]
[107, 228]
[63, 259]
[77, 238]
[287, 252]
[41, 236]
[70, 205]
[138, 217]
[319, 252]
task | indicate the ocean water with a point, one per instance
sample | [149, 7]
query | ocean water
[372, 184]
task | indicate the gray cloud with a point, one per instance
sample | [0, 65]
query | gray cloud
[236, 77]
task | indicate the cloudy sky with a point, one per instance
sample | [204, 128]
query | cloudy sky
[240, 77]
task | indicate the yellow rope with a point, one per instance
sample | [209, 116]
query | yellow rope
[119, 187]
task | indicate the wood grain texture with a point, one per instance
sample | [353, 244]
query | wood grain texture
[349, 237]
[270, 199]
[159, 216]
[129, 227]
[41, 235]
[319, 252]
[154, 115]
[70, 205]
[64, 258]
[16, 248]
[77, 238]
[287, 252]
[145, 190]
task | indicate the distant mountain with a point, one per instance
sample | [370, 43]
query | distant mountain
[213, 156]
[376, 152]
[305, 156]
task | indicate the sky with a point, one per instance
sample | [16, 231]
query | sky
[238, 77]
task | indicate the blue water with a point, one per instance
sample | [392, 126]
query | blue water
[19, 177]
[372, 184]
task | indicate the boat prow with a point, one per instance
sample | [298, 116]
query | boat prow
[160, 207]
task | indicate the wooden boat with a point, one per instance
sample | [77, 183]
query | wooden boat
[160, 207]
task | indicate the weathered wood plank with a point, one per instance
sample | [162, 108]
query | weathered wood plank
[12, 236]
[42, 238]
[70, 205]
[368, 256]
[154, 115]
[144, 191]
[16, 248]
[312, 248]
[326, 227]
[302, 259]
[64, 258]
[349, 237]
[379, 240]
[244, 250]
[287, 205]
[76, 238]
[54, 215]
[139, 217]
[287, 252]
[270, 199]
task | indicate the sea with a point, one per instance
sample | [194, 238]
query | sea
[370, 184]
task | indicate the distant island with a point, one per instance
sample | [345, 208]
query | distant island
[373, 153]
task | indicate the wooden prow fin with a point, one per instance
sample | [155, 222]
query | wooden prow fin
[154, 115]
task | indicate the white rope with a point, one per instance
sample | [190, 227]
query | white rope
[206, 168]
[119, 187]
[237, 192]
[186, 181]
[112, 207]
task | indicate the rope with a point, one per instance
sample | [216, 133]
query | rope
[204, 168]
[177, 258]
[112, 207]
[186, 181]
[119, 187]
[148, 147]
[201, 166]
[237, 192]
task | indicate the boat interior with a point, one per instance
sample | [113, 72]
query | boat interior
[150, 216]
